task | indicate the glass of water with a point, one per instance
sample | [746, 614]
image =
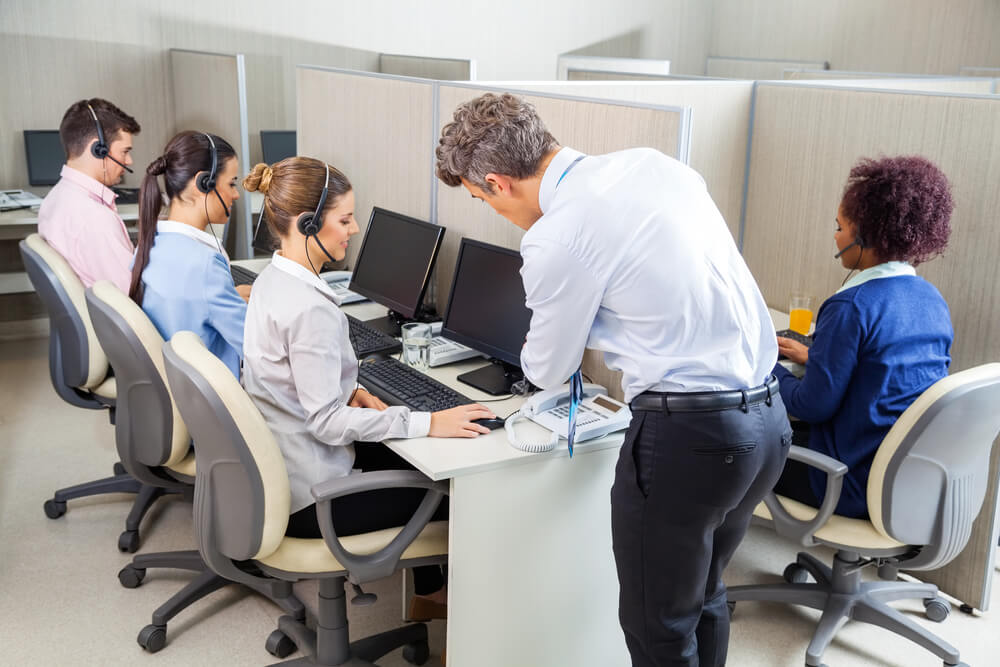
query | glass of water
[416, 344]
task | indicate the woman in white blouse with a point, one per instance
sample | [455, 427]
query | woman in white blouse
[301, 371]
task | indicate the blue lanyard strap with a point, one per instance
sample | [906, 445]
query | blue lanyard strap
[571, 165]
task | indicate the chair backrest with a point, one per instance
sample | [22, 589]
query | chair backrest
[73, 348]
[242, 499]
[149, 429]
[929, 475]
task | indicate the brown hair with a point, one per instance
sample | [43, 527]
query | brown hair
[78, 130]
[294, 186]
[186, 155]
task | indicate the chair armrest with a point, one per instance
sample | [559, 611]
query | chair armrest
[385, 561]
[802, 531]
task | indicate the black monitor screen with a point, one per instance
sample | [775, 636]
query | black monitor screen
[45, 156]
[486, 310]
[396, 259]
[276, 145]
[262, 239]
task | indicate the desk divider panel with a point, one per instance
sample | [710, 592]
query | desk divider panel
[805, 140]
[376, 129]
[755, 68]
[445, 69]
[886, 81]
[568, 62]
[223, 112]
[591, 126]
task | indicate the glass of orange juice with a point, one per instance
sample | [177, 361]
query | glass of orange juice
[800, 312]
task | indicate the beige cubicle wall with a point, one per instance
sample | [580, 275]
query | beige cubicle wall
[805, 140]
[223, 113]
[720, 114]
[583, 74]
[889, 81]
[377, 129]
[755, 68]
[589, 125]
[444, 69]
[979, 71]
[567, 62]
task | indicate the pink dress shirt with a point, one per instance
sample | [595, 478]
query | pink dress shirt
[79, 219]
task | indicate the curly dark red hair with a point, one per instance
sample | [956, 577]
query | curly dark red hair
[902, 207]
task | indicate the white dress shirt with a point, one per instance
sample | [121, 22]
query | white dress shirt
[632, 257]
[300, 370]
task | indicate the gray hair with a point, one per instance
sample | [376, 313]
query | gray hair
[500, 134]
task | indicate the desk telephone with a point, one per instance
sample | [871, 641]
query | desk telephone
[598, 415]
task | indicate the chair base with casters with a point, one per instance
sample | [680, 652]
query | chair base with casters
[841, 595]
[330, 644]
[153, 637]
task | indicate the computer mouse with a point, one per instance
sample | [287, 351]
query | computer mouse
[492, 424]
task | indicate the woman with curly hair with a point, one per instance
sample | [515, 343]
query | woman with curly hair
[883, 338]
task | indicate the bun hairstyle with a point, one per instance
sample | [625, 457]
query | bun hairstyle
[186, 155]
[293, 186]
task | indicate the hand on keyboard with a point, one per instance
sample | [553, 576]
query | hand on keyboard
[793, 346]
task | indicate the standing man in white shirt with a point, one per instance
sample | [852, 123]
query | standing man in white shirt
[626, 253]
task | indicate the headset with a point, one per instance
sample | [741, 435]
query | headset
[205, 181]
[100, 148]
[309, 224]
[858, 241]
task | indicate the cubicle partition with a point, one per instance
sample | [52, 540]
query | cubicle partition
[223, 113]
[981, 85]
[377, 129]
[805, 140]
[444, 69]
[756, 68]
[567, 63]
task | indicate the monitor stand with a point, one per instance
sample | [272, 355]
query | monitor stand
[391, 323]
[494, 379]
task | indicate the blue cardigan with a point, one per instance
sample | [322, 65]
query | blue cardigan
[877, 347]
[188, 287]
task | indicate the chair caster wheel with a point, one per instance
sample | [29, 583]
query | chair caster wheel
[795, 574]
[55, 508]
[152, 637]
[128, 541]
[279, 644]
[936, 609]
[130, 576]
[416, 653]
[731, 606]
[119, 469]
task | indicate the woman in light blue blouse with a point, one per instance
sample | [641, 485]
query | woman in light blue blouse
[181, 275]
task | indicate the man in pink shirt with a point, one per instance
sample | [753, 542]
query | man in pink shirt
[78, 217]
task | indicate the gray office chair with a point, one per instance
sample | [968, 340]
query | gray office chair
[80, 374]
[154, 445]
[241, 510]
[925, 489]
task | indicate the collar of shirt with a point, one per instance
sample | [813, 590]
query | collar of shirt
[295, 269]
[550, 179]
[174, 227]
[884, 270]
[97, 190]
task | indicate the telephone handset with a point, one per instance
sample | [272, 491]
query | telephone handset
[598, 415]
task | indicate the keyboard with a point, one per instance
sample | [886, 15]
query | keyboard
[366, 340]
[796, 336]
[126, 195]
[398, 384]
[242, 275]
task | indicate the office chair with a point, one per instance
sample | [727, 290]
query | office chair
[153, 443]
[241, 508]
[926, 487]
[80, 374]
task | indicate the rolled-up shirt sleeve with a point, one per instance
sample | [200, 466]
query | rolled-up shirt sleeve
[563, 297]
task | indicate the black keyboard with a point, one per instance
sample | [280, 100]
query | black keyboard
[126, 195]
[366, 340]
[398, 384]
[242, 275]
[796, 336]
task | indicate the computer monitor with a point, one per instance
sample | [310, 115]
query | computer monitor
[263, 242]
[45, 155]
[394, 266]
[487, 312]
[276, 145]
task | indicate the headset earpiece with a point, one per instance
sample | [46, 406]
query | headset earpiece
[204, 182]
[99, 148]
[307, 225]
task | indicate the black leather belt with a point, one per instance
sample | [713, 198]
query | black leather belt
[705, 401]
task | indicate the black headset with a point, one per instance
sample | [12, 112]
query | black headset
[310, 223]
[206, 181]
[100, 148]
[858, 241]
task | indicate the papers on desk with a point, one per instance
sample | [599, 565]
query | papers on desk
[16, 199]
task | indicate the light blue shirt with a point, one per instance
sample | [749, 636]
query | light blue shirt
[631, 257]
[188, 287]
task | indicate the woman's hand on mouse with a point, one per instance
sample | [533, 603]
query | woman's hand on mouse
[457, 422]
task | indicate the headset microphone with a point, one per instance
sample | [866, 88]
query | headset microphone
[100, 148]
[320, 243]
[856, 242]
[309, 224]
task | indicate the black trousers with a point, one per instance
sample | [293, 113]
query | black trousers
[375, 510]
[685, 489]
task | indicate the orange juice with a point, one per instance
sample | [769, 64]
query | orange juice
[800, 319]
